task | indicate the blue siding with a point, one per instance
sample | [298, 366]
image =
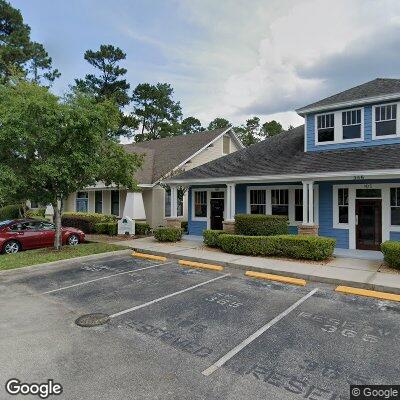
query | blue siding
[293, 230]
[395, 236]
[241, 199]
[194, 227]
[367, 135]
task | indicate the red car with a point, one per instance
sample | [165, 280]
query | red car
[24, 234]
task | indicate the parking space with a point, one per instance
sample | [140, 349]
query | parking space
[219, 334]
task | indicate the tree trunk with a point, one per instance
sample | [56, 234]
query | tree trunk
[57, 220]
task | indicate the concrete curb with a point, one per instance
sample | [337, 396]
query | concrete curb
[368, 284]
[65, 262]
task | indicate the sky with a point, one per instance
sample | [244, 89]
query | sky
[232, 58]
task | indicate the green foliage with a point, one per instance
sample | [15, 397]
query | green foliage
[292, 246]
[158, 113]
[142, 228]
[86, 221]
[10, 212]
[168, 234]
[391, 253]
[261, 225]
[184, 226]
[249, 132]
[18, 54]
[191, 125]
[271, 128]
[211, 237]
[106, 228]
[38, 213]
[218, 123]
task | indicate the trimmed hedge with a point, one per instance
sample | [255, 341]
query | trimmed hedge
[85, 221]
[141, 228]
[391, 253]
[293, 246]
[38, 213]
[211, 237]
[107, 228]
[11, 211]
[168, 234]
[261, 225]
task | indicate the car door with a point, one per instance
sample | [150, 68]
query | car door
[24, 233]
[47, 233]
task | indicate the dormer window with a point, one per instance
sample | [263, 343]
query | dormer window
[326, 128]
[385, 120]
[351, 121]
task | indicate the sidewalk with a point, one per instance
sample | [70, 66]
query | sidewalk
[362, 273]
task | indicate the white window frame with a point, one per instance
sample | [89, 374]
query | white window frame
[361, 138]
[336, 223]
[281, 204]
[102, 201]
[395, 228]
[82, 198]
[395, 135]
[318, 143]
[257, 204]
[183, 205]
[119, 203]
[291, 189]
[209, 191]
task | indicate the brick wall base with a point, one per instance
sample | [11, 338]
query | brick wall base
[173, 222]
[228, 226]
[309, 230]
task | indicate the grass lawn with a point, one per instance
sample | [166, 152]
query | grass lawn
[39, 256]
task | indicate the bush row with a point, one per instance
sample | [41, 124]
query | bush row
[261, 225]
[168, 234]
[35, 213]
[391, 253]
[86, 221]
[292, 246]
[211, 237]
[10, 212]
[142, 228]
[107, 228]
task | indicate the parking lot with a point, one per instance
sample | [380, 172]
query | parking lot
[181, 333]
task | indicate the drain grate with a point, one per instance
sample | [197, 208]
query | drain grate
[89, 320]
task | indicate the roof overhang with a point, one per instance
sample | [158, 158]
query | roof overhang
[345, 104]
[322, 176]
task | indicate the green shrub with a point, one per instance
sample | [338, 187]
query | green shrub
[35, 213]
[106, 228]
[293, 246]
[391, 253]
[85, 221]
[211, 237]
[184, 226]
[261, 225]
[168, 234]
[11, 211]
[141, 228]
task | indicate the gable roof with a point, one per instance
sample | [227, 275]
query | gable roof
[283, 155]
[163, 155]
[379, 89]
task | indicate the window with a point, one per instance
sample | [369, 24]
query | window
[368, 193]
[115, 202]
[82, 201]
[258, 202]
[34, 204]
[395, 206]
[180, 194]
[280, 202]
[226, 145]
[343, 204]
[167, 202]
[298, 205]
[200, 204]
[98, 201]
[325, 128]
[351, 121]
[46, 226]
[385, 120]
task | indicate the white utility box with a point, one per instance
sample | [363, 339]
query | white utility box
[126, 226]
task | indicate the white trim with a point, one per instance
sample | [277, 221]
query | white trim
[208, 218]
[397, 134]
[316, 142]
[305, 134]
[347, 175]
[352, 103]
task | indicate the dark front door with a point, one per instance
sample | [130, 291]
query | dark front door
[217, 213]
[369, 224]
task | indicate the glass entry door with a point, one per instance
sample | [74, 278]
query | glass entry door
[368, 224]
[216, 210]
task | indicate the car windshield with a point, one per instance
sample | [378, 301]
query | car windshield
[3, 223]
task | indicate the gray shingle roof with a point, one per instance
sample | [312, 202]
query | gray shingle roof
[377, 87]
[162, 155]
[284, 155]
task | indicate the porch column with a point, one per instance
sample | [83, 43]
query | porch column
[134, 206]
[173, 220]
[311, 203]
[229, 223]
[308, 226]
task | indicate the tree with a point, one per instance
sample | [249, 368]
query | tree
[18, 54]
[271, 128]
[191, 125]
[109, 83]
[54, 147]
[249, 132]
[218, 123]
[156, 110]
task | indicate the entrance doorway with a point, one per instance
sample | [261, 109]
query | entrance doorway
[368, 224]
[216, 210]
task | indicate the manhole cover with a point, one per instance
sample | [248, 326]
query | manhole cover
[89, 320]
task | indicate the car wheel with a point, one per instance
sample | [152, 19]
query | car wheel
[11, 247]
[73, 240]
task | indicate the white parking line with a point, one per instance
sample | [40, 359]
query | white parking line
[167, 296]
[106, 277]
[255, 335]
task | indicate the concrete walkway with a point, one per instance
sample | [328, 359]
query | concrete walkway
[349, 271]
